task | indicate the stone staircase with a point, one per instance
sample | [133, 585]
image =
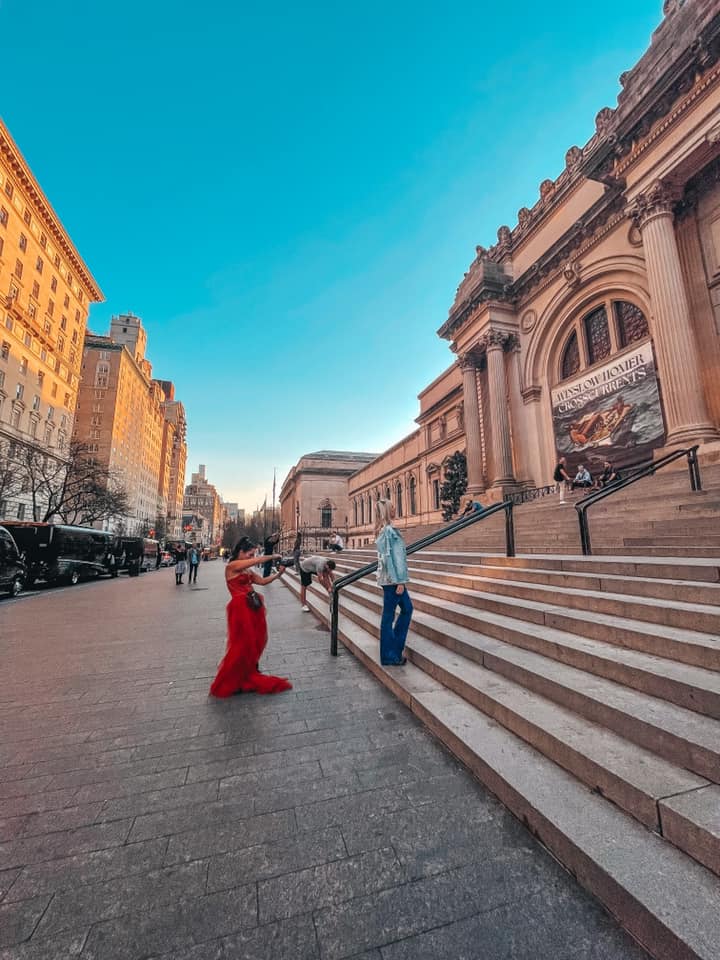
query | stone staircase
[658, 515]
[585, 693]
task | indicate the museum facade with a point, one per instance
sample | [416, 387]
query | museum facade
[590, 329]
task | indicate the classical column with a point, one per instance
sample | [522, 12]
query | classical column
[517, 408]
[494, 342]
[473, 438]
[686, 414]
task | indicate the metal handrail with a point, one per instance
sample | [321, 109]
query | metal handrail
[427, 541]
[582, 505]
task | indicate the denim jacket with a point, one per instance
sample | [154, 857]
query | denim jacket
[392, 559]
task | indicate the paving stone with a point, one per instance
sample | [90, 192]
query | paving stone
[307, 792]
[18, 853]
[67, 818]
[57, 948]
[143, 803]
[233, 835]
[251, 784]
[89, 868]
[19, 920]
[330, 883]
[108, 789]
[287, 940]
[168, 929]
[37, 803]
[266, 860]
[92, 903]
[367, 807]
[8, 878]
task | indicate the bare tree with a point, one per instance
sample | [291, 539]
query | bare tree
[77, 488]
[11, 479]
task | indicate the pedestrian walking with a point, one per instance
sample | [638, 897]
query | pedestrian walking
[246, 627]
[193, 564]
[392, 575]
[180, 565]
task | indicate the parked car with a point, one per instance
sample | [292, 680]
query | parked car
[167, 559]
[13, 572]
[139, 555]
[58, 553]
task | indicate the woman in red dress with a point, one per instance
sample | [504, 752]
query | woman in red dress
[247, 628]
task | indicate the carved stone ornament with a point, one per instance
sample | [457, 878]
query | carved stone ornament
[713, 134]
[634, 236]
[524, 216]
[504, 236]
[467, 362]
[655, 202]
[494, 339]
[603, 120]
[547, 187]
[573, 157]
[572, 273]
[481, 252]
[512, 343]
[528, 321]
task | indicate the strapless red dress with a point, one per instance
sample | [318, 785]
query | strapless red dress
[247, 637]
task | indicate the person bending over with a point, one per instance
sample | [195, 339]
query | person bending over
[323, 570]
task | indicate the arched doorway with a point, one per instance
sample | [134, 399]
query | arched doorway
[604, 389]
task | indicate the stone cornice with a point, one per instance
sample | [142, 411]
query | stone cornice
[30, 186]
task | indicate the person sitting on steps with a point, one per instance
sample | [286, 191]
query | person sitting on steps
[582, 478]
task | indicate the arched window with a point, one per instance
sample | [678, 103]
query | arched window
[607, 328]
[355, 513]
[370, 515]
[571, 358]
[631, 321]
[597, 333]
[398, 499]
[362, 510]
[412, 492]
[387, 493]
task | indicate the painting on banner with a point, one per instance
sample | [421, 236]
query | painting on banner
[611, 413]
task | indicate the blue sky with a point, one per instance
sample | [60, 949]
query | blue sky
[289, 194]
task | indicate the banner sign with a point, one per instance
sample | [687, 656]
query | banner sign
[610, 413]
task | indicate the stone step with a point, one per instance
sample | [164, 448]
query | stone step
[632, 777]
[516, 579]
[691, 647]
[663, 897]
[687, 686]
[678, 735]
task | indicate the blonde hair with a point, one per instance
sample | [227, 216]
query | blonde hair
[383, 514]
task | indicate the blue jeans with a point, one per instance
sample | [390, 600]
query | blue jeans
[392, 638]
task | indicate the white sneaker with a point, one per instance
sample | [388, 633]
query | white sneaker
[562, 501]
[305, 609]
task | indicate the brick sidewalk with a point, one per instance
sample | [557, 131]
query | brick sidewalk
[138, 818]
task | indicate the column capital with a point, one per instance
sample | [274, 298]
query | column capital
[467, 362]
[493, 339]
[657, 201]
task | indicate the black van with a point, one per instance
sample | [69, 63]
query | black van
[13, 573]
[139, 554]
[56, 552]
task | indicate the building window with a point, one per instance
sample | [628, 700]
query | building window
[39, 264]
[2, 244]
[27, 339]
[51, 307]
[2, 378]
[66, 301]
[53, 284]
[48, 436]
[412, 493]
[21, 511]
[436, 494]
[3, 216]
[22, 242]
[597, 331]
[56, 260]
[32, 310]
[63, 322]
[24, 365]
[398, 499]
[8, 188]
[18, 269]
[101, 374]
[53, 391]
[26, 216]
[326, 516]
[41, 378]
[631, 321]
[36, 402]
[51, 413]
[36, 289]
[370, 508]
[571, 358]
[43, 240]
[4, 350]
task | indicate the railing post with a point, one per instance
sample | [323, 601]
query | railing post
[584, 532]
[694, 468]
[334, 624]
[509, 530]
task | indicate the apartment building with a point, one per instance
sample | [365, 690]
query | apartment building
[45, 295]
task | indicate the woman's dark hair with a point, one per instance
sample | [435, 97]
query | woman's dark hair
[243, 544]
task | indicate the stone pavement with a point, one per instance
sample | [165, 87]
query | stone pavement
[139, 818]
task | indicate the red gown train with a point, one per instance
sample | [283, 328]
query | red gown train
[247, 637]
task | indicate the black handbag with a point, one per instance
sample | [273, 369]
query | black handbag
[254, 600]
